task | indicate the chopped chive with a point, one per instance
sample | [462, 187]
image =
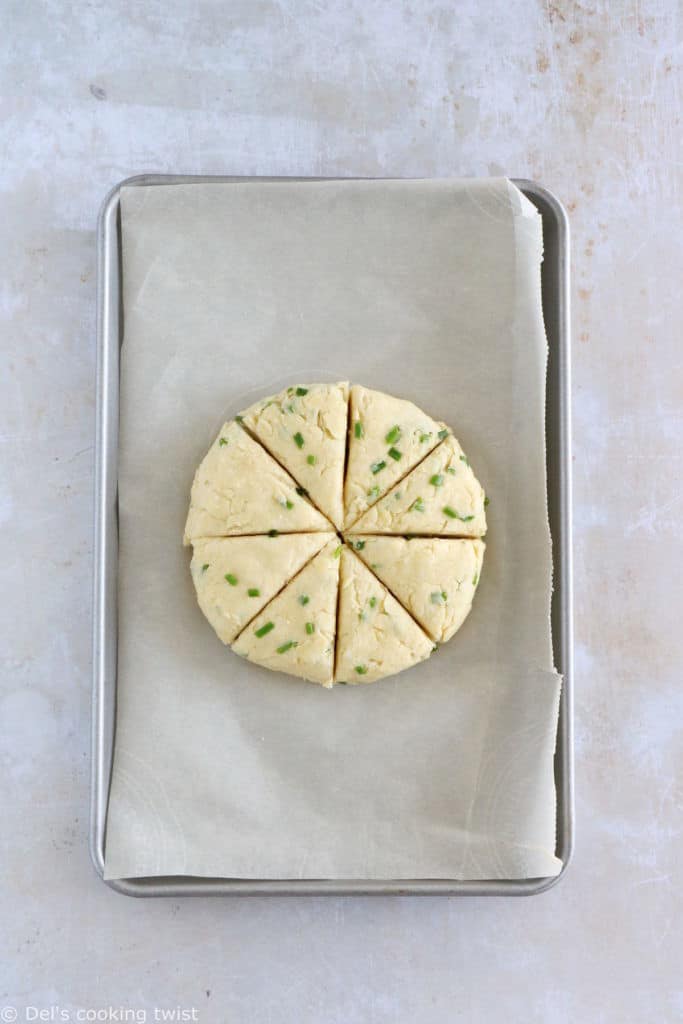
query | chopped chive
[273, 533]
[438, 597]
[435, 648]
[373, 600]
[376, 467]
[283, 648]
[337, 552]
[289, 407]
[298, 440]
[231, 578]
[205, 566]
[361, 669]
[301, 392]
[452, 470]
[311, 460]
[358, 429]
[254, 592]
[442, 434]
[448, 511]
[463, 458]
[475, 579]
[466, 519]
[304, 599]
[417, 506]
[425, 437]
[358, 545]
[373, 492]
[239, 419]
[265, 628]
[487, 501]
[289, 504]
[393, 435]
[310, 629]
[302, 492]
[436, 480]
[223, 441]
[290, 391]
[395, 454]
[361, 616]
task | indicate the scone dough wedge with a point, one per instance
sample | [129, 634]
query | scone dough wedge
[304, 427]
[387, 437]
[239, 489]
[435, 578]
[235, 577]
[376, 636]
[295, 633]
[441, 496]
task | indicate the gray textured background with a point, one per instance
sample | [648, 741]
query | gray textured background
[584, 97]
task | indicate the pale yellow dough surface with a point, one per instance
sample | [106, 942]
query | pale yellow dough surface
[435, 578]
[240, 489]
[227, 572]
[317, 419]
[376, 635]
[372, 418]
[417, 505]
[311, 597]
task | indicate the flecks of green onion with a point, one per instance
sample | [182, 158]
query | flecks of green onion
[376, 467]
[358, 430]
[463, 458]
[310, 629]
[373, 492]
[442, 435]
[393, 435]
[475, 579]
[337, 552]
[231, 578]
[451, 513]
[395, 454]
[205, 566]
[298, 439]
[254, 592]
[361, 670]
[417, 506]
[265, 628]
[283, 648]
[487, 502]
[223, 441]
[358, 544]
[436, 480]
[373, 601]
[301, 392]
[425, 437]
[438, 597]
[452, 470]
[311, 460]
[304, 599]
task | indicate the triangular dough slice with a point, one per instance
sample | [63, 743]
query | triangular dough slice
[305, 429]
[387, 437]
[375, 636]
[440, 496]
[434, 577]
[235, 577]
[239, 489]
[295, 633]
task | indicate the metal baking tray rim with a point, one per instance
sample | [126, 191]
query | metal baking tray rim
[556, 311]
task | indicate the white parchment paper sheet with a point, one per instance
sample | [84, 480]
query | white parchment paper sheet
[428, 290]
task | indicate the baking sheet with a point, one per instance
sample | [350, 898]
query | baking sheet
[413, 259]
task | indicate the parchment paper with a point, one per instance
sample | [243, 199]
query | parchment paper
[428, 290]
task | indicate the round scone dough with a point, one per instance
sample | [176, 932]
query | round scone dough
[435, 578]
[336, 533]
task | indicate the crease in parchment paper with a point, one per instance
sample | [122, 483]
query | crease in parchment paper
[429, 290]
